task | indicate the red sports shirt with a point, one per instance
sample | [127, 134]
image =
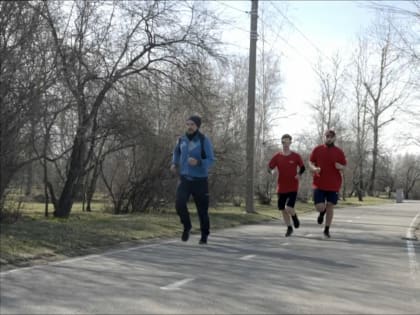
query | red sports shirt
[287, 168]
[325, 157]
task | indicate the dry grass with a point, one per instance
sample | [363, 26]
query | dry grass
[36, 238]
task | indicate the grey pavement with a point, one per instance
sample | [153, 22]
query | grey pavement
[369, 266]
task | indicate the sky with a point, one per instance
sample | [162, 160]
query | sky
[310, 29]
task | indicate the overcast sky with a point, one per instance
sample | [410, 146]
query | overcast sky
[300, 31]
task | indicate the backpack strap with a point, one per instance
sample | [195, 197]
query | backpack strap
[179, 146]
[203, 152]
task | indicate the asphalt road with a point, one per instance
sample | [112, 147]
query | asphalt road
[369, 266]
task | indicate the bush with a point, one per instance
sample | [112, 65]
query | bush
[264, 198]
[39, 198]
[10, 215]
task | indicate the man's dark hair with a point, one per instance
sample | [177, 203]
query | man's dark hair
[286, 136]
[196, 119]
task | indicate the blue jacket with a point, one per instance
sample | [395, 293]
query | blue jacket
[185, 149]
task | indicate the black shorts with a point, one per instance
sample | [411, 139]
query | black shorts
[290, 197]
[320, 196]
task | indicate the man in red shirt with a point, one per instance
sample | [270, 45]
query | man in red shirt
[326, 163]
[287, 163]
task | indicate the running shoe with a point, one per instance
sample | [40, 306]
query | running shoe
[321, 217]
[296, 222]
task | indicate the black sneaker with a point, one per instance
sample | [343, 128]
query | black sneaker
[296, 222]
[202, 241]
[185, 235]
[289, 231]
[327, 234]
[321, 217]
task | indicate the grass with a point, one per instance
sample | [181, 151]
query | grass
[35, 238]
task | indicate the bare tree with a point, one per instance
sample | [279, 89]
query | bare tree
[268, 107]
[407, 31]
[360, 123]
[404, 20]
[383, 86]
[24, 77]
[386, 174]
[329, 105]
[407, 169]
[98, 44]
[230, 130]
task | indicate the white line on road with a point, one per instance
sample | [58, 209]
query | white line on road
[247, 257]
[411, 252]
[71, 260]
[176, 285]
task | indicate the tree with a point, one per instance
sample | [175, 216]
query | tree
[382, 83]
[360, 122]
[268, 107]
[404, 21]
[331, 95]
[98, 44]
[25, 74]
[386, 178]
[408, 173]
[230, 130]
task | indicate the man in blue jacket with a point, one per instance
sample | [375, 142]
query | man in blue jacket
[192, 157]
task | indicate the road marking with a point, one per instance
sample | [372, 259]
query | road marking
[349, 221]
[247, 257]
[176, 285]
[411, 252]
[71, 260]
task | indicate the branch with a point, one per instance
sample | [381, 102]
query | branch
[385, 122]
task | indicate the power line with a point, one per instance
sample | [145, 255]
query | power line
[240, 28]
[310, 63]
[344, 92]
[234, 8]
[299, 31]
[311, 43]
[278, 36]
[293, 47]
[379, 6]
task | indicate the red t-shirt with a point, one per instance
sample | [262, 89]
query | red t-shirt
[287, 168]
[325, 157]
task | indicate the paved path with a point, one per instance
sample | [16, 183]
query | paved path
[368, 267]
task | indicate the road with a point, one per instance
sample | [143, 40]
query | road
[369, 266]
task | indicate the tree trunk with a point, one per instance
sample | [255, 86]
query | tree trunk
[71, 185]
[360, 184]
[344, 187]
[45, 187]
[29, 180]
[359, 195]
[91, 188]
[374, 156]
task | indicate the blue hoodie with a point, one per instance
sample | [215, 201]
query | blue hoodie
[185, 149]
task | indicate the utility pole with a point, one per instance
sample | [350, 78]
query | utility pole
[250, 127]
